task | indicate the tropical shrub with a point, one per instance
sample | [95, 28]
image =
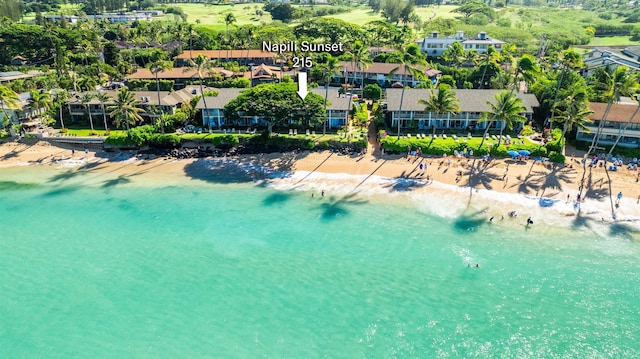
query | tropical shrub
[225, 141]
[556, 157]
[141, 135]
[158, 140]
[118, 139]
[527, 130]
[372, 92]
[556, 141]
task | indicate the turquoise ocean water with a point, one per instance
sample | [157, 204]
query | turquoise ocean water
[238, 270]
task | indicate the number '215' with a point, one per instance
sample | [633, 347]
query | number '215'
[302, 62]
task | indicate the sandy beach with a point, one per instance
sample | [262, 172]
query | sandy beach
[498, 186]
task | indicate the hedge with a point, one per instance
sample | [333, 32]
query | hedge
[144, 135]
[283, 142]
[158, 140]
[225, 141]
[448, 146]
[118, 139]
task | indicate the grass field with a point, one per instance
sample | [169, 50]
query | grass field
[612, 41]
[213, 15]
[86, 132]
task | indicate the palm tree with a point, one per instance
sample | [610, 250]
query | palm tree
[61, 98]
[10, 101]
[410, 58]
[229, 19]
[361, 59]
[454, 54]
[527, 69]
[39, 100]
[569, 61]
[157, 66]
[86, 99]
[103, 98]
[330, 69]
[622, 132]
[508, 108]
[613, 83]
[485, 60]
[192, 33]
[444, 101]
[200, 64]
[189, 107]
[124, 111]
[573, 111]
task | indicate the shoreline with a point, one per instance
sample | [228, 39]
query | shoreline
[487, 189]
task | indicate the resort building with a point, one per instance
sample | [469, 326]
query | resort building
[434, 45]
[617, 118]
[379, 72]
[148, 101]
[213, 112]
[612, 57]
[6, 77]
[473, 103]
[212, 108]
[180, 75]
[115, 18]
[242, 57]
[16, 115]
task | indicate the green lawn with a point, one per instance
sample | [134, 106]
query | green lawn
[213, 15]
[358, 16]
[612, 41]
[85, 132]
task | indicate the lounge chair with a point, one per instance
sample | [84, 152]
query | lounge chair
[313, 133]
[295, 132]
[290, 132]
[307, 134]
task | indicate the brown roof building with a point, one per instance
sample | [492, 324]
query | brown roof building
[242, 57]
[180, 75]
[622, 120]
[385, 73]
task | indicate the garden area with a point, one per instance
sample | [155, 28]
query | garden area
[493, 145]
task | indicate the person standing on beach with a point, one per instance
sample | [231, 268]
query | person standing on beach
[619, 197]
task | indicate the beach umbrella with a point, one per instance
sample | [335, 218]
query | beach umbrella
[524, 152]
[512, 153]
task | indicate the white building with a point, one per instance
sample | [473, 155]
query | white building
[612, 57]
[111, 17]
[434, 45]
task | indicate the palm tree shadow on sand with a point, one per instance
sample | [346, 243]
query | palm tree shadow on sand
[478, 174]
[249, 169]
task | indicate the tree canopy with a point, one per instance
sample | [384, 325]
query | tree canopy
[277, 104]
